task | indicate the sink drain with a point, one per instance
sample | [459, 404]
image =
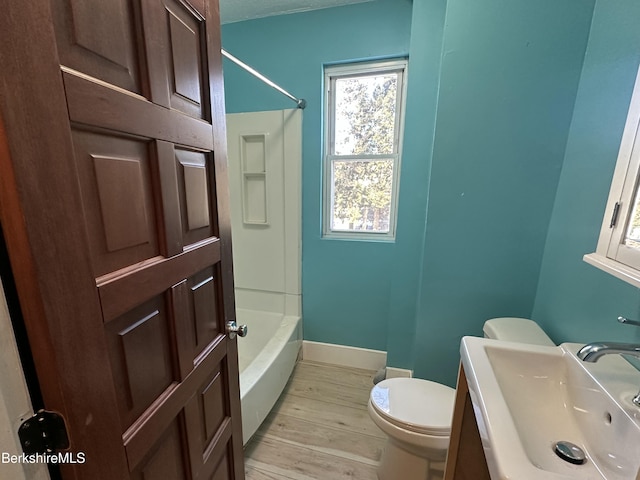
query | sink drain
[570, 452]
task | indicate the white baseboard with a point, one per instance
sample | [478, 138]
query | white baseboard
[354, 357]
[393, 372]
[342, 355]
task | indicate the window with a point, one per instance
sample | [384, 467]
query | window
[363, 136]
[618, 250]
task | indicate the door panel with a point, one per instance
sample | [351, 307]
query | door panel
[203, 312]
[194, 187]
[208, 420]
[141, 360]
[117, 195]
[222, 472]
[128, 335]
[166, 460]
[99, 38]
[176, 32]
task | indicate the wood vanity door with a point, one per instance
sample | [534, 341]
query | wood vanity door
[465, 456]
[113, 202]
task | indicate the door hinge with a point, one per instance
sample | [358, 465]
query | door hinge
[614, 217]
[45, 432]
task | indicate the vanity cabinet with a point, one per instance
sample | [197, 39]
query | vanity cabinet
[465, 458]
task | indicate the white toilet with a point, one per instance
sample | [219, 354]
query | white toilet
[416, 414]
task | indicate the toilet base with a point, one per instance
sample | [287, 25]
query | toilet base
[398, 462]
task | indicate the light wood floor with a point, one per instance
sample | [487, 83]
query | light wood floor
[319, 429]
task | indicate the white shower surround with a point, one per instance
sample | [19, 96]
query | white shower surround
[265, 166]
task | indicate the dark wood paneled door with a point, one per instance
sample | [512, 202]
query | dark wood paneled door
[113, 202]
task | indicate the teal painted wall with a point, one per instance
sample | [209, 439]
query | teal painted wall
[509, 76]
[346, 285]
[509, 151]
[575, 301]
[425, 55]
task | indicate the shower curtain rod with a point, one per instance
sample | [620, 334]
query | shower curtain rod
[301, 102]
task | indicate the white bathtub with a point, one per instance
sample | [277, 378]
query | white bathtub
[266, 358]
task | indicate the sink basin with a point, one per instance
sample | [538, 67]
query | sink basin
[526, 398]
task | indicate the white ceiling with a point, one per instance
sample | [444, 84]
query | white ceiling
[238, 10]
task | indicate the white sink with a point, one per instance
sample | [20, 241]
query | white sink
[527, 397]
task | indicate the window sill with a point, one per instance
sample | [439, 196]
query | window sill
[360, 237]
[617, 269]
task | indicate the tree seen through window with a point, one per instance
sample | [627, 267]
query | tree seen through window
[365, 123]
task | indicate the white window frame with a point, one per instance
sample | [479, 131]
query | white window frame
[611, 254]
[353, 70]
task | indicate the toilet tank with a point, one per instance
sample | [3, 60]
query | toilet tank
[513, 329]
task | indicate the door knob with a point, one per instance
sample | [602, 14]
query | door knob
[234, 329]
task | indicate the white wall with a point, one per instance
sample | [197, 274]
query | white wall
[15, 405]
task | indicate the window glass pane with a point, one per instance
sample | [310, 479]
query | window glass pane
[365, 114]
[361, 195]
[632, 237]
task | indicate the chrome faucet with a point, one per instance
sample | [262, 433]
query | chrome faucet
[593, 351]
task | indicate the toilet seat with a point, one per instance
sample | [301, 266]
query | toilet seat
[416, 405]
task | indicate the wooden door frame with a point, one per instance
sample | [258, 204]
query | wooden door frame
[36, 155]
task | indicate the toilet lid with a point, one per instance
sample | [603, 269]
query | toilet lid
[417, 405]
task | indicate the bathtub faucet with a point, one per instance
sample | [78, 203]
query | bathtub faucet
[593, 351]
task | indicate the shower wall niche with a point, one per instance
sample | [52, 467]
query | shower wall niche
[254, 179]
